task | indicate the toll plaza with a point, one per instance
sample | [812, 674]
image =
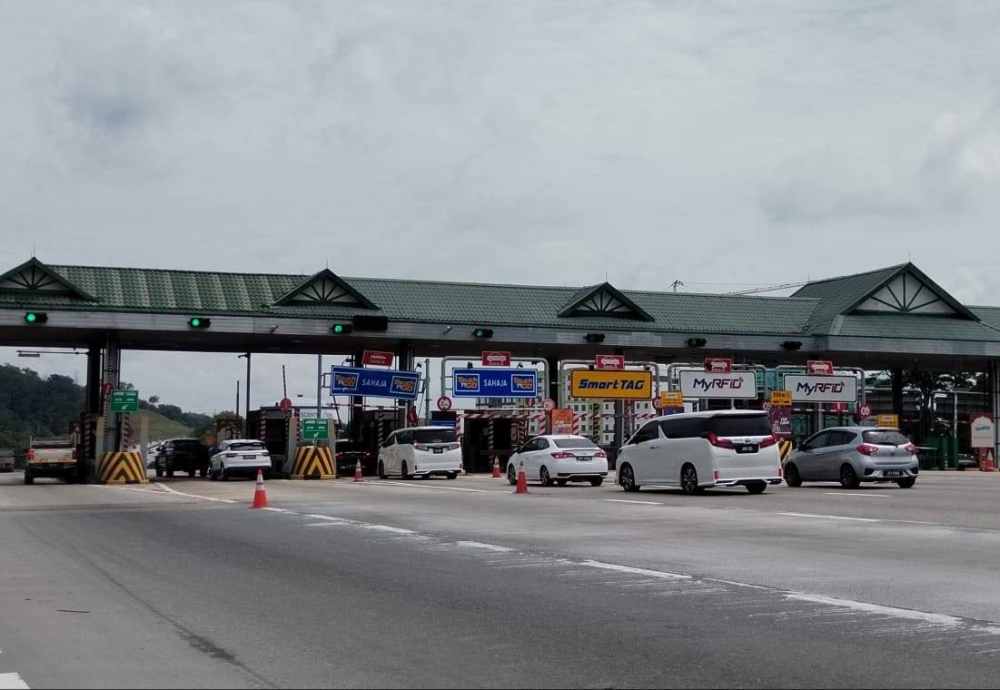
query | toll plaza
[524, 353]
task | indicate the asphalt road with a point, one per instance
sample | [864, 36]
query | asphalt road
[462, 584]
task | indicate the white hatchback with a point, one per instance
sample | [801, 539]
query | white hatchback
[696, 450]
[423, 451]
[240, 456]
[557, 459]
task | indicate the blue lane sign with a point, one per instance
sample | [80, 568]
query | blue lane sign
[374, 383]
[494, 383]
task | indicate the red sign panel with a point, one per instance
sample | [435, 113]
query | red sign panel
[444, 403]
[496, 358]
[864, 411]
[375, 358]
[285, 404]
[820, 366]
[721, 365]
[613, 362]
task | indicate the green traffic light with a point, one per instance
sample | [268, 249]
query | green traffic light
[338, 328]
[30, 317]
[195, 322]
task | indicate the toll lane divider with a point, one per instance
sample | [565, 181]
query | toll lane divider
[122, 467]
[313, 462]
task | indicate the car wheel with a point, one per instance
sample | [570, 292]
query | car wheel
[907, 483]
[453, 475]
[381, 470]
[202, 472]
[212, 475]
[689, 479]
[848, 477]
[544, 478]
[597, 481]
[626, 478]
[402, 471]
[511, 474]
[792, 477]
[159, 472]
[28, 479]
[224, 474]
[757, 487]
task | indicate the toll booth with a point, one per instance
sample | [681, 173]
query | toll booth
[485, 434]
[272, 426]
[374, 426]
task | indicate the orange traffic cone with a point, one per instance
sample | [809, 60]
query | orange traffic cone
[260, 496]
[357, 472]
[522, 480]
[496, 467]
[990, 466]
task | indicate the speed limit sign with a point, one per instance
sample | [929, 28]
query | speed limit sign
[444, 403]
[548, 404]
[657, 404]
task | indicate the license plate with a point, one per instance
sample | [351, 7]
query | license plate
[582, 458]
[439, 450]
[893, 473]
[249, 457]
[746, 448]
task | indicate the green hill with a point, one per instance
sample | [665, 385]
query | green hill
[160, 428]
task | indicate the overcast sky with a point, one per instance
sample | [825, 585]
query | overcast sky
[724, 144]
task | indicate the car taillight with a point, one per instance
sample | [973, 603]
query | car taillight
[562, 454]
[718, 442]
[867, 449]
[600, 454]
[910, 448]
[367, 454]
[715, 475]
[337, 455]
[31, 454]
[769, 441]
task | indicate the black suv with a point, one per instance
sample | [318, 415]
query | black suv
[182, 455]
[347, 454]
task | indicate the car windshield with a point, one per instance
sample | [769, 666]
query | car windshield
[247, 445]
[187, 445]
[885, 438]
[740, 425]
[434, 436]
[574, 443]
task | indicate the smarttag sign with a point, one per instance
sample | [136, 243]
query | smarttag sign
[822, 389]
[494, 383]
[610, 385]
[706, 384]
[374, 383]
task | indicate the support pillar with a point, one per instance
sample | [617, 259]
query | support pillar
[94, 380]
[112, 375]
[404, 354]
[993, 383]
[897, 394]
[355, 413]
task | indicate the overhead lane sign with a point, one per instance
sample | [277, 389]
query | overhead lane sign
[494, 383]
[706, 384]
[611, 385]
[374, 383]
[821, 389]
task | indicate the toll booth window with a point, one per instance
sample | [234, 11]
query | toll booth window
[435, 436]
[574, 443]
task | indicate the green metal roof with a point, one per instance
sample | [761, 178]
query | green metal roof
[823, 307]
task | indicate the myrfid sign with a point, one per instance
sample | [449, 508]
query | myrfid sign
[740, 385]
[822, 389]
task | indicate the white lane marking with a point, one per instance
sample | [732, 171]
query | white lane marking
[663, 575]
[388, 528]
[280, 510]
[11, 681]
[316, 516]
[622, 500]
[206, 498]
[918, 522]
[325, 524]
[863, 494]
[830, 517]
[386, 482]
[934, 618]
[488, 547]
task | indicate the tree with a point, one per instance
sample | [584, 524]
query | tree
[927, 383]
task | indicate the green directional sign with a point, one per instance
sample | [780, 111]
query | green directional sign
[124, 401]
[315, 430]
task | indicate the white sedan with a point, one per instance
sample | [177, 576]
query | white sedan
[557, 459]
[240, 456]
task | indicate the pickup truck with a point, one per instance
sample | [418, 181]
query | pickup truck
[51, 458]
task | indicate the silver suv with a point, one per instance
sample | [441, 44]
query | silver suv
[854, 454]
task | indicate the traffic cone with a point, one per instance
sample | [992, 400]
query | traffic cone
[260, 496]
[357, 472]
[496, 467]
[990, 467]
[522, 481]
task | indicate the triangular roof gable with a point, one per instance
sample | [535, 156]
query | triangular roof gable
[34, 276]
[604, 300]
[326, 287]
[909, 290]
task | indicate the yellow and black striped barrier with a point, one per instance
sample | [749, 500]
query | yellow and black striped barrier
[122, 467]
[785, 449]
[313, 462]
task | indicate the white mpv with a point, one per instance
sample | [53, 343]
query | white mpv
[422, 451]
[698, 450]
